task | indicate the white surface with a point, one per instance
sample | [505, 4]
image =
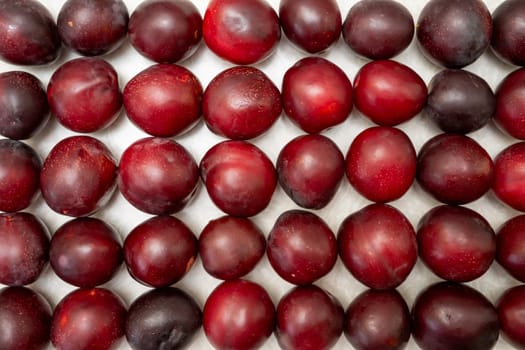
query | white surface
[205, 65]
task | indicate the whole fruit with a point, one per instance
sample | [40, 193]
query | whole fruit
[509, 176]
[510, 251]
[510, 104]
[511, 308]
[508, 36]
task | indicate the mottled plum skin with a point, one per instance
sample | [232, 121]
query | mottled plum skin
[511, 311]
[510, 104]
[242, 32]
[165, 31]
[163, 318]
[25, 317]
[312, 25]
[93, 27]
[509, 176]
[23, 105]
[452, 316]
[28, 33]
[378, 29]
[508, 35]
[454, 33]
[310, 169]
[510, 252]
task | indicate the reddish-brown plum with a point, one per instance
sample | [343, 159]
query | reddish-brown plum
[24, 248]
[378, 29]
[25, 317]
[510, 104]
[230, 247]
[456, 243]
[78, 176]
[242, 32]
[160, 251]
[378, 320]
[454, 169]
[388, 92]
[509, 176]
[28, 33]
[316, 94]
[508, 35]
[312, 25]
[377, 244]
[23, 105]
[310, 169]
[158, 176]
[308, 318]
[163, 318]
[241, 103]
[88, 319]
[238, 314]
[163, 100]
[84, 94]
[381, 163]
[19, 175]
[450, 316]
[165, 31]
[85, 252]
[510, 248]
[239, 177]
[93, 27]
[511, 314]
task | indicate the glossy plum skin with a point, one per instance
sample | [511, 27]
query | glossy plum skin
[508, 35]
[454, 33]
[449, 316]
[301, 247]
[459, 101]
[378, 29]
[312, 25]
[381, 163]
[93, 27]
[28, 33]
[456, 243]
[101, 309]
[163, 318]
[388, 92]
[84, 94]
[377, 244]
[239, 178]
[241, 103]
[25, 316]
[230, 247]
[511, 307]
[242, 32]
[316, 94]
[310, 169]
[238, 314]
[19, 175]
[176, 26]
[160, 251]
[378, 320]
[509, 176]
[157, 176]
[164, 100]
[510, 104]
[23, 105]
[85, 252]
[308, 318]
[510, 252]
[78, 176]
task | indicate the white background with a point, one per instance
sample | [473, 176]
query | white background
[205, 65]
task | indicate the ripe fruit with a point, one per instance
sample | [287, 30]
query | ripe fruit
[509, 176]
[510, 252]
[511, 307]
[510, 104]
[508, 36]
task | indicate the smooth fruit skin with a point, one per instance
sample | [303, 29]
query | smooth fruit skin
[312, 25]
[241, 103]
[377, 244]
[310, 169]
[511, 311]
[28, 33]
[25, 317]
[378, 320]
[242, 32]
[381, 163]
[23, 105]
[165, 31]
[316, 94]
[164, 100]
[88, 319]
[508, 35]
[510, 252]
[308, 318]
[378, 29]
[510, 104]
[93, 27]
[162, 318]
[388, 92]
[452, 316]
[509, 176]
[238, 315]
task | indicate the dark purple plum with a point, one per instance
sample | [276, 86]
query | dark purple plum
[511, 311]
[510, 248]
[508, 36]
[510, 104]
